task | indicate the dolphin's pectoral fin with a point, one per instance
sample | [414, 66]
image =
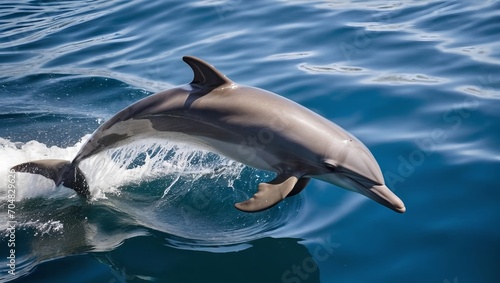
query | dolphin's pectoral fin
[269, 194]
[301, 184]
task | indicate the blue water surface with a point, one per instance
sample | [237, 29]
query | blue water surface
[417, 81]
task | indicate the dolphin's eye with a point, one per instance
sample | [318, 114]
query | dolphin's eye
[330, 164]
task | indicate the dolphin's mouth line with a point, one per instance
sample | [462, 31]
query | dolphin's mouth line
[377, 195]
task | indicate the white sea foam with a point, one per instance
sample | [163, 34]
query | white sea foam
[106, 172]
[14, 153]
[140, 161]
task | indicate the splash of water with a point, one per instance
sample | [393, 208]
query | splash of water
[163, 184]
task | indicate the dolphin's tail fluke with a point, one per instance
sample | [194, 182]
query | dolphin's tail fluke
[60, 171]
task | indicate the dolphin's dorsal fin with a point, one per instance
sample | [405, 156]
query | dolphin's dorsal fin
[205, 75]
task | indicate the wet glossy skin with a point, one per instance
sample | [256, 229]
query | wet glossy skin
[250, 125]
[253, 126]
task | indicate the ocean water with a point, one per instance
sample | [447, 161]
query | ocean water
[417, 81]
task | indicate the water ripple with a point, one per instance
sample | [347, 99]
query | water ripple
[290, 55]
[406, 79]
[417, 81]
[332, 68]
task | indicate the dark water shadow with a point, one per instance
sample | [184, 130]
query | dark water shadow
[146, 259]
[268, 260]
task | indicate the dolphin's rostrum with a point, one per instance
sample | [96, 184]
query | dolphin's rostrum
[250, 125]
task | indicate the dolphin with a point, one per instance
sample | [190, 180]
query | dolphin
[250, 125]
